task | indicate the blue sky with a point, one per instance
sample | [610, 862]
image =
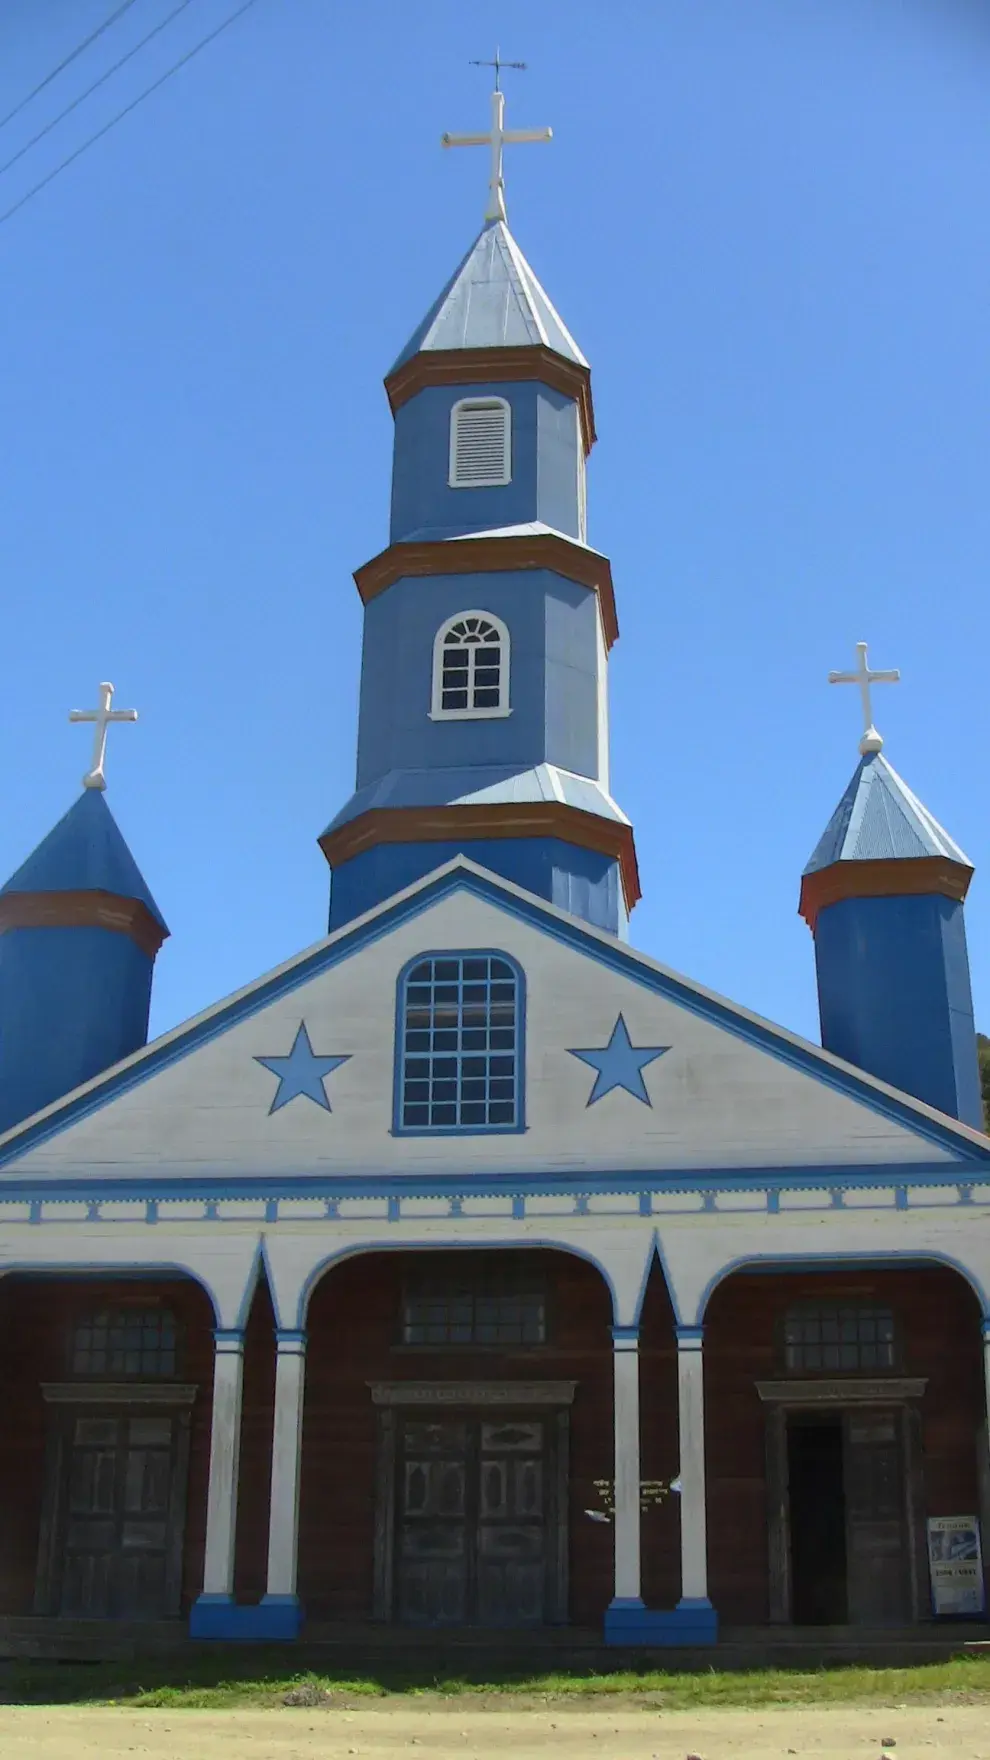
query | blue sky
[767, 224]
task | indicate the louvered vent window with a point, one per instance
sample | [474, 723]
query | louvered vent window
[479, 443]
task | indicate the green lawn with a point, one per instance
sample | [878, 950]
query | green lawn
[217, 1682]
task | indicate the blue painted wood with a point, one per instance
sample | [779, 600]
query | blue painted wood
[895, 998]
[84, 852]
[73, 1001]
[546, 454]
[577, 880]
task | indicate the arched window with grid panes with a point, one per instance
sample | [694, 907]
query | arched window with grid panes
[471, 668]
[459, 1044]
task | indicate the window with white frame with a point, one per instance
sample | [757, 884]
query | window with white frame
[480, 443]
[471, 667]
[459, 1044]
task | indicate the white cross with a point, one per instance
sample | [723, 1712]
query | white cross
[94, 778]
[871, 740]
[497, 139]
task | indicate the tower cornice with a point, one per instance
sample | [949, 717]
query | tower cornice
[459, 823]
[83, 909]
[474, 366]
[495, 553]
[890, 877]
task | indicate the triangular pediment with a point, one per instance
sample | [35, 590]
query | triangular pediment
[720, 1092]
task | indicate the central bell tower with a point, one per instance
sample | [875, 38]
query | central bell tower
[488, 619]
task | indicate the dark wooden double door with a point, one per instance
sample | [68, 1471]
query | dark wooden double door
[112, 1541]
[849, 1495]
[476, 1521]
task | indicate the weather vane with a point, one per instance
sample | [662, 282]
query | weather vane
[497, 137]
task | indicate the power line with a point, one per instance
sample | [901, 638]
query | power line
[98, 136]
[105, 26]
[97, 83]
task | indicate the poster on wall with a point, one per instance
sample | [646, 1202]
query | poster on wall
[956, 1564]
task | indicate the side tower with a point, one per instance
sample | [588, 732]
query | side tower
[488, 619]
[883, 896]
[79, 932]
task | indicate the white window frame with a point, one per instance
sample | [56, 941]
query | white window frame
[499, 482]
[437, 710]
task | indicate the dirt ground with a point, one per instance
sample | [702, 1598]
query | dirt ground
[387, 1731]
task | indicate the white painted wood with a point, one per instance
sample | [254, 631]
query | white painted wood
[497, 137]
[225, 1447]
[864, 678]
[625, 1369]
[691, 1422]
[283, 1528]
[718, 1100]
[102, 717]
[986, 1377]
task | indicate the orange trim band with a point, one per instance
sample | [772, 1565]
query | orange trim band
[881, 879]
[83, 910]
[548, 550]
[510, 819]
[471, 366]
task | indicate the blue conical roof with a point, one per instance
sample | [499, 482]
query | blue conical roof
[85, 852]
[492, 300]
[879, 819]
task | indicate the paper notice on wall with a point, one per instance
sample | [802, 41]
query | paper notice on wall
[956, 1564]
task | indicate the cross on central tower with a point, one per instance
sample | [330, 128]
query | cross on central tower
[102, 717]
[497, 138]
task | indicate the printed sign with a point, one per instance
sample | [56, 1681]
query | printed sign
[956, 1564]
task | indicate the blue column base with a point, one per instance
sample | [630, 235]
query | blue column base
[273, 1620]
[629, 1623]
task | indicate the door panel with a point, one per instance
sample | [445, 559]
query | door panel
[121, 1517]
[876, 1524]
[472, 1537]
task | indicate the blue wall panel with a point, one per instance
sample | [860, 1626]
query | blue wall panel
[73, 1001]
[894, 996]
[545, 440]
[553, 689]
[578, 880]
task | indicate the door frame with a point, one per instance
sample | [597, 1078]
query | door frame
[552, 1399]
[64, 1400]
[841, 1394]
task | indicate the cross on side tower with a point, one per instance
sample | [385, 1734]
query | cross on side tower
[497, 138]
[94, 777]
[864, 677]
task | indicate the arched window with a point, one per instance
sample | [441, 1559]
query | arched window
[471, 667]
[459, 1050]
[846, 1336]
[124, 1342]
[480, 443]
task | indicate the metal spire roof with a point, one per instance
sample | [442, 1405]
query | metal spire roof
[879, 819]
[84, 852]
[492, 300]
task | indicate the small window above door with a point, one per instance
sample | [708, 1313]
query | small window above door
[480, 443]
[124, 1342]
[826, 1337]
[483, 1306]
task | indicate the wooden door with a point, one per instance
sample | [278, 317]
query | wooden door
[120, 1532]
[877, 1541]
[472, 1501]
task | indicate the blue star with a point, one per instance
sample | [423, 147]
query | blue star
[620, 1065]
[302, 1072]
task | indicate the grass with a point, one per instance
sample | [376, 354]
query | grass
[233, 1682]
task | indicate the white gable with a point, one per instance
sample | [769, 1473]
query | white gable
[719, 1101]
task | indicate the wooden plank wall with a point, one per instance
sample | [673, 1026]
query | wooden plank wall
[36, 1321]
[939, 1319]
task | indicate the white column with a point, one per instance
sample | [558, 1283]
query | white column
[625, 1367]
[691, 1420]
[225, 1447]
[283, 1527]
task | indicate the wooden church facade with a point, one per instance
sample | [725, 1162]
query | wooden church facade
[472, 1269]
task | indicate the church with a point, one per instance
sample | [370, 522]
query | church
[473, 1270]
